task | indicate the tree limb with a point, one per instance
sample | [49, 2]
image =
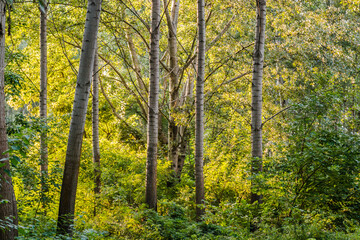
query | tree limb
[268, 119]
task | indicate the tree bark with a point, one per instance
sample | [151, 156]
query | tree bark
[152, 129]
[199, 122]
[8, 208]
[173, 129]
[95, 129]
[137, 68]
[256, 91]
[73, 152]
[43, 104]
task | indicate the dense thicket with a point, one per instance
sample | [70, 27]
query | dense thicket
[309, 181]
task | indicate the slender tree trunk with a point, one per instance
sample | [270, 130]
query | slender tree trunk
[73, 152]
[177, 134]
[173, 134]
[187, 96]
[182, 150]
[8, 208]
[43, 104]
[152, 129]
[95, 129]
[137, 68]
[199, 124]
[256, 104]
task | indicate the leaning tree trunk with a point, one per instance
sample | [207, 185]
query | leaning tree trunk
[95, 129]
[152, 129]
[73, 152]
[199, 124]
[137, 68]
[43, 104]
[256, 104]
[8, 209]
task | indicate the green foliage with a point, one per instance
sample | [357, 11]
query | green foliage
[42, 6]
[21, 133]
[13, 83]
[310, 182]
[9, 2]
[45, 228]
[173, 222]
[320, 166]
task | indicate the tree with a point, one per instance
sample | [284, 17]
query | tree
[73, 152]
[173, 134]
[43, 100]
[152, 127]
[256, 91]
[95, 130]
[199, 124]
[8, 207]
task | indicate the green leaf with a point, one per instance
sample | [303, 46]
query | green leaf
[7, 171]
[4, 159]
[15, 160]
[15, 147]
[43, 6]
[10, 2]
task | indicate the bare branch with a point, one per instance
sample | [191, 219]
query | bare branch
[219, 36]
[229, 81]
[281, 111]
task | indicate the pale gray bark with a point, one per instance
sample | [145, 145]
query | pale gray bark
[73, 152]
[152, 128]
[95, 130]
[8, 208]
[219, 36]
[43, 103]
[137, 68]
[173, 134]
[256, 90]
[199, 121]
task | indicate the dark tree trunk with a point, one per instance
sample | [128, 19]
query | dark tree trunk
[199, 124]
[95, 129]
[43, 104]
[8, 208]
[173, 134]
[152, 129]
[73, 152]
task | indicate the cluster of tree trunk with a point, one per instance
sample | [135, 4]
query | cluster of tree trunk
[148, 100]
[176, 134]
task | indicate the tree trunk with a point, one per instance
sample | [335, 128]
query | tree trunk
[199, 124]
[8, 208]
[183, 146]
[152, 129]
[95, 129]
[137, 68]
[177, 134]
[43, 105]
[256, 104]
[73, 152]
[173, 130]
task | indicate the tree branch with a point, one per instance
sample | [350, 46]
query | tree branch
[283, 110]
